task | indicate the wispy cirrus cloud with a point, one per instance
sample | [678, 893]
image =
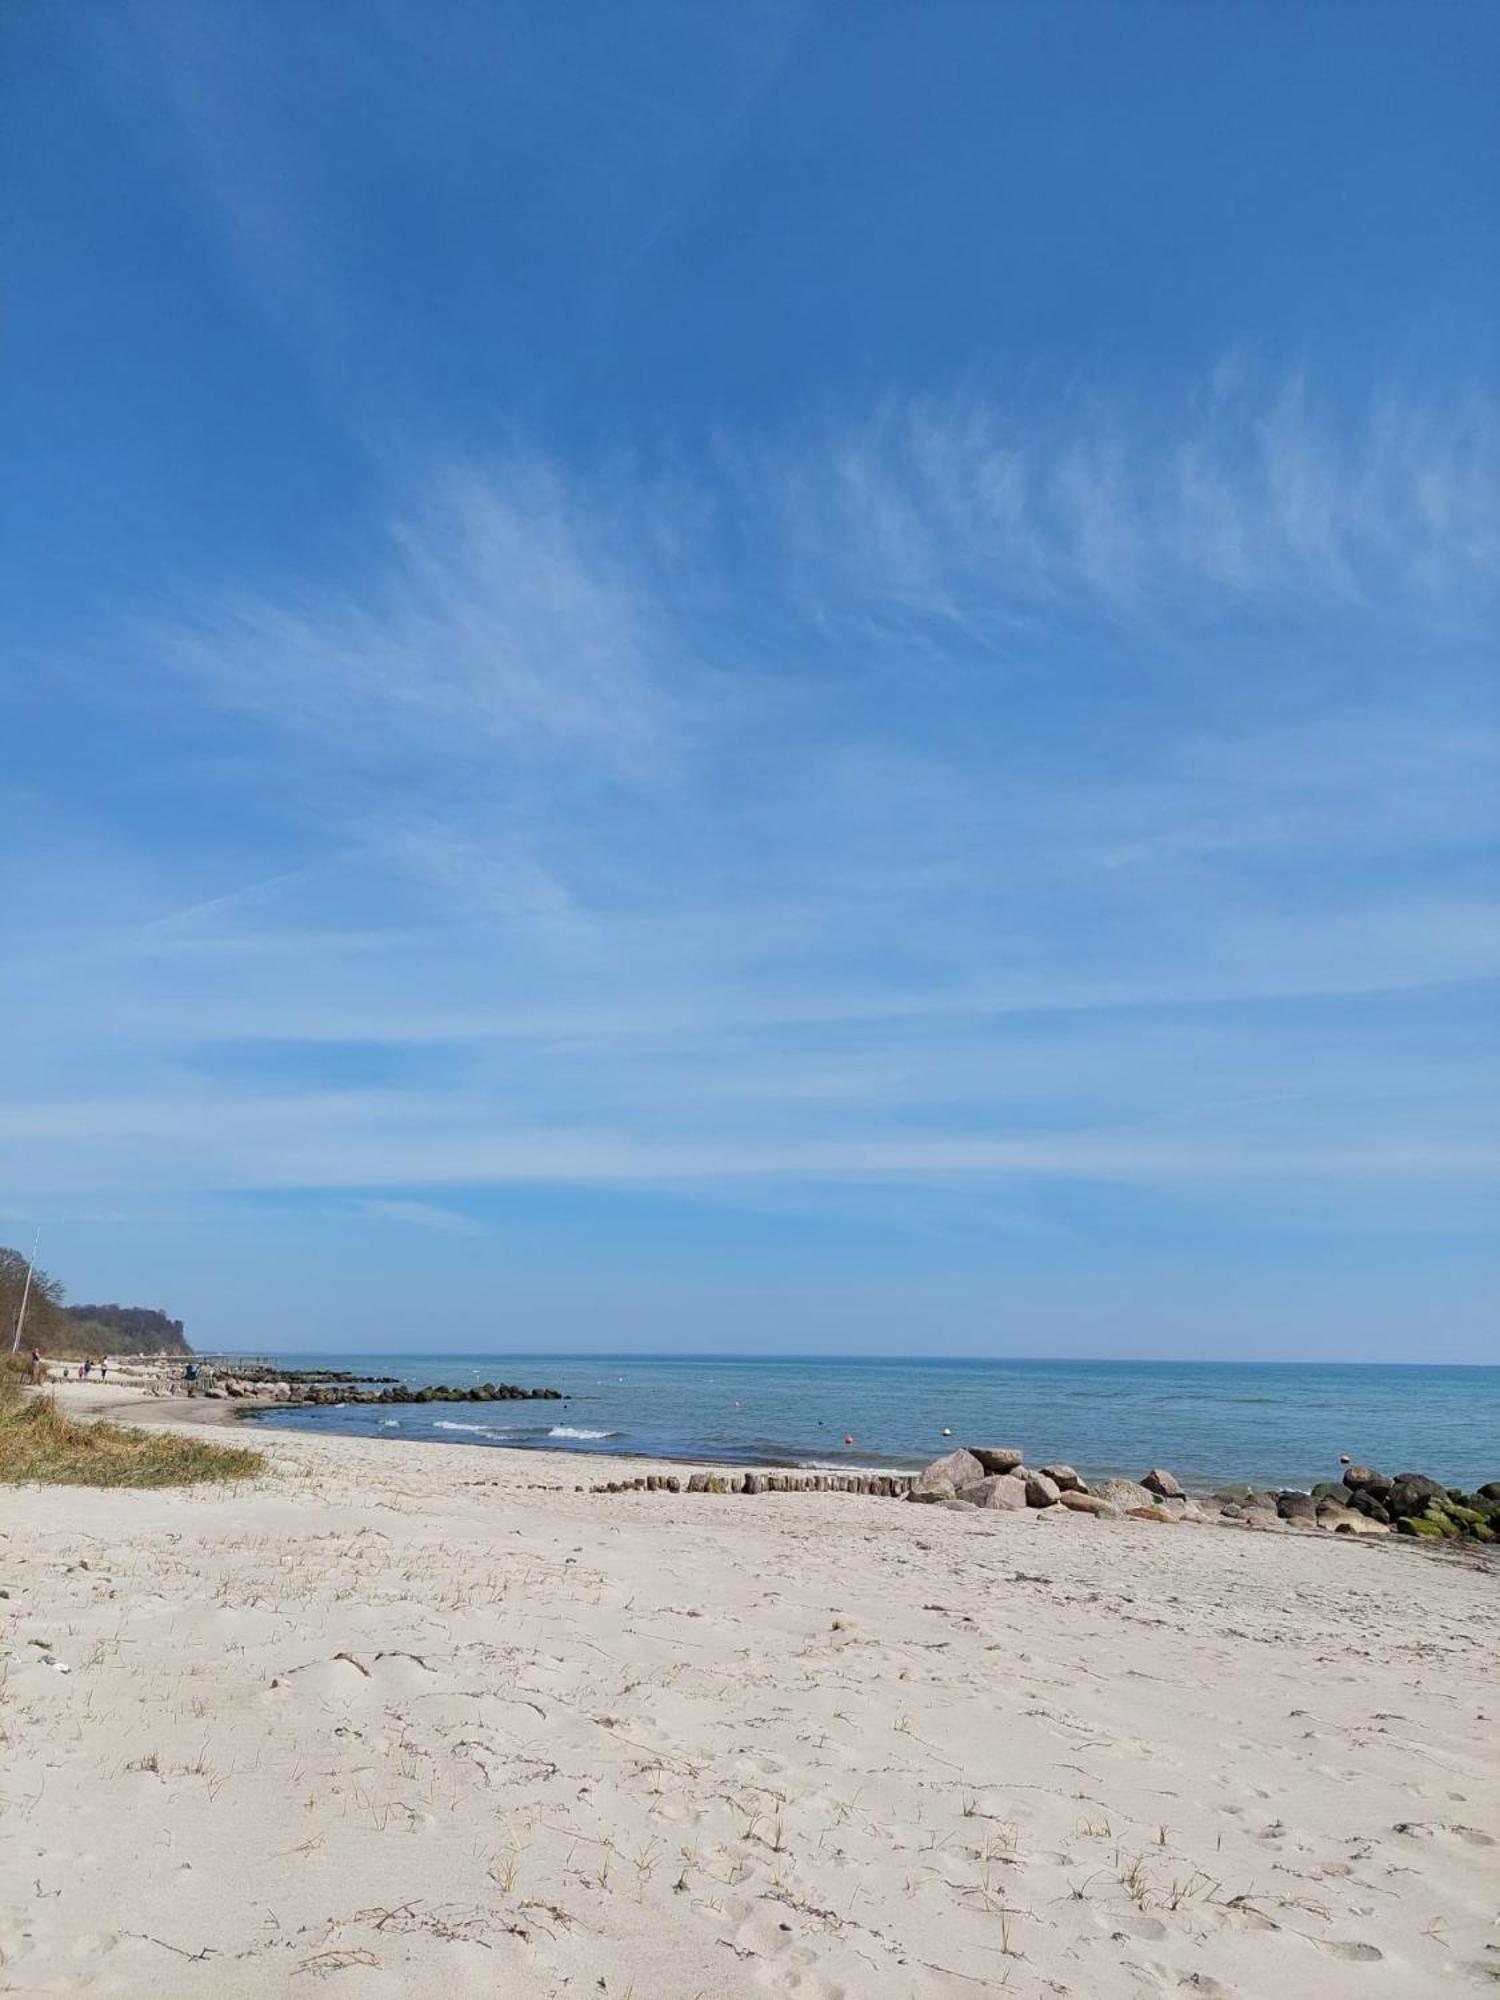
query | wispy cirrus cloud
[1246, 496]
[659, 830]
[494, 618]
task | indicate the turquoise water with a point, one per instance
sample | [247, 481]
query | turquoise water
[1275, 1425]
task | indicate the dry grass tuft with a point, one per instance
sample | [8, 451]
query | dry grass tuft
[39, 1445]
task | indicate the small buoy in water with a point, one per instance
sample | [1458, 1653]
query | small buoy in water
[847, 1438]
[946, 1432]
[1344, 1458]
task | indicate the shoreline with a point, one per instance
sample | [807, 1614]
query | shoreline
[625, 1472]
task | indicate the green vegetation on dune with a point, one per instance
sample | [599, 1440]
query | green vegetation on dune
[38, 1444]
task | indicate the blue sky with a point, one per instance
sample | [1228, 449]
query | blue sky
[795, 676]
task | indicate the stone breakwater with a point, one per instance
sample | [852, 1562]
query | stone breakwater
[996, 1479]
[323, 1394]
[884, 1485]
[483, 1392]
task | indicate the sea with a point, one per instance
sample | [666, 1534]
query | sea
[1277, 1425]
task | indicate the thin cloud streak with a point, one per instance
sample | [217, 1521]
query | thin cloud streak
[598, 806]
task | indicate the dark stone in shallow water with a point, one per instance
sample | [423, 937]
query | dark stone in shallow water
[439, 1392]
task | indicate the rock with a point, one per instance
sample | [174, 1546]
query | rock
[1152, 1514]
[1364, 1479]
[1042, 1491]
[997, 1458]
[1490, 1491]
[957, 1506]
[931, 1496]
[998, 1492]
[1088, 1503]
[1411, 1492]
[1330, 1513]
[1413, 1524]
[1125, 1493]
[1359, 1524]
[1163, 1484]
[1232, 1511]
[959, 1468]
[1297, 1507]
[1064, 1478]
[1264, 1503]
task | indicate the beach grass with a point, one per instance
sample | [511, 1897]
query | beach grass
[40, 1445]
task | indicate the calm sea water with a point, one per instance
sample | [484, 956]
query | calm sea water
[1271, 1424]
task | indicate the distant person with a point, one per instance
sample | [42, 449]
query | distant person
[103, 1370]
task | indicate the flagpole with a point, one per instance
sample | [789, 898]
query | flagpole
[26, 1289]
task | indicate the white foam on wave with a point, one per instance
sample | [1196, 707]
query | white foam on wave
[570, 1431]
[442, 1424]
[390, 1423]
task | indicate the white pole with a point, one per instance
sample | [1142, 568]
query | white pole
[26, 1289]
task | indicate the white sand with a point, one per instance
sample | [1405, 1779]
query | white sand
[418, 1720]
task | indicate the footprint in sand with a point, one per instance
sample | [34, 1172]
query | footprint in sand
[1444, 1829]
[1355, 1954]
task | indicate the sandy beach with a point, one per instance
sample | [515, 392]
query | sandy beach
[411, 1719]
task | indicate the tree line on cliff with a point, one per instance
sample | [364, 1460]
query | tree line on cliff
[83, 1330]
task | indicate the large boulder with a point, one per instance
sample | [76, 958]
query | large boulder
[1299, 1507]
[1355, 1523]
[1088, 1503]
[1000, 1492]
[933, 1495]
[1164, 1485]
[1042, 1491]
[1411, 1493]
[997, 1458]
[1421, 1525]
[1364, 1479]
[1123, 1492]
[959, 1468]
[1064, 1478]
